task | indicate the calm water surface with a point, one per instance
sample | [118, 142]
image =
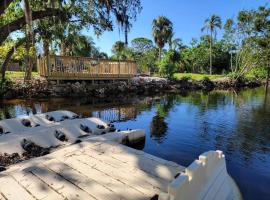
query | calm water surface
[181, 127]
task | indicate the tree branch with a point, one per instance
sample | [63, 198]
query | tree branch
[3, 5]
[9, 55]
[20, 23]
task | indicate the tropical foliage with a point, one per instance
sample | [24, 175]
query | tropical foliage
[58, 25]
[162, 31]
[211, 24]
[168, 64]
[32, 27]
[243, 49]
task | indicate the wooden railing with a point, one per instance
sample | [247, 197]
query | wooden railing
[116, 114]
[82, 68]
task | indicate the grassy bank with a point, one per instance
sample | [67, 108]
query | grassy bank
[14, 75]
[196, 77]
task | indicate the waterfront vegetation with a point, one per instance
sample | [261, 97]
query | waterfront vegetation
[18, 75]
[243, 49]
[197, 77]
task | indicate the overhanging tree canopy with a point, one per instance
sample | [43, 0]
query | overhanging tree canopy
[97, 14]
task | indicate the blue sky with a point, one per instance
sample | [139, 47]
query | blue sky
[187, 16]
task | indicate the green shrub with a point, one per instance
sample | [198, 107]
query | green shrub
[167, 69]
[260, 72]
[168, 64]
[5, 85]
[206, 78]
[5, 82]
[186, 77]
[232, 75]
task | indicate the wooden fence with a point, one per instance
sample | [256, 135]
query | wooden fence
[82, 68]
[15, 67]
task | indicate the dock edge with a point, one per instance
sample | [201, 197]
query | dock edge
[206, 178]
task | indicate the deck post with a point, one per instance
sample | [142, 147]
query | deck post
[118, 68]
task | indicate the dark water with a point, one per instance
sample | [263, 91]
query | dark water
[181, 127]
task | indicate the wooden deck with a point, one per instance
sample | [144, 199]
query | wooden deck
[82, 68]
[89, 170]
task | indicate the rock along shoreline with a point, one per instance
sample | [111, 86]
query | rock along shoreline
[41, 88]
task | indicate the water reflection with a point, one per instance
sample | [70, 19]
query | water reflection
[158, 127]
[180, 127]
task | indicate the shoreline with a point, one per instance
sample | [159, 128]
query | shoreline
[41, 88]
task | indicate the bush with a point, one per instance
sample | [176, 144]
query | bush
[167, 69]
[205, 78]
[168, 64]
[259, 72]
[186, 77]
[5, 85]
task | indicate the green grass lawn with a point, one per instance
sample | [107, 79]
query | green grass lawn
[13, 75]
[196, 77]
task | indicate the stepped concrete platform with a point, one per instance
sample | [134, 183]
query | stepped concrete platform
[100, 167]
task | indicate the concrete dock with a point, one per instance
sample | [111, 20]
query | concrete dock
[89, 170]
[91, 162]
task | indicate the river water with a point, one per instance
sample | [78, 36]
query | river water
[181, 127]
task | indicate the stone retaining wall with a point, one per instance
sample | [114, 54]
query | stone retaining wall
[40, 88]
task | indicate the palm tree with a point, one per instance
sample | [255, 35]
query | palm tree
[177, 44]
[211, 24]
[127, 13]
[118, 48]
[162, 31]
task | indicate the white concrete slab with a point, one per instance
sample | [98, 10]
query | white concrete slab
[78, 172]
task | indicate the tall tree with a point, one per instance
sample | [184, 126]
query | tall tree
[145, 54]
[177, 44]
[30, 39]
[141, 45]
[97, 14]
[162, 31]
[229, 38]
[128, 10]
[118, 48]
[262, 26]
[211, 24]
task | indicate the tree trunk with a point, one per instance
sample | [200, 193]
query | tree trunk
[8, 57]
[46, 51]
[126, 36]
[28, 16]
[211, 38]
[29, 63]
[63, 49]
[159, 53]
[30, 40]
